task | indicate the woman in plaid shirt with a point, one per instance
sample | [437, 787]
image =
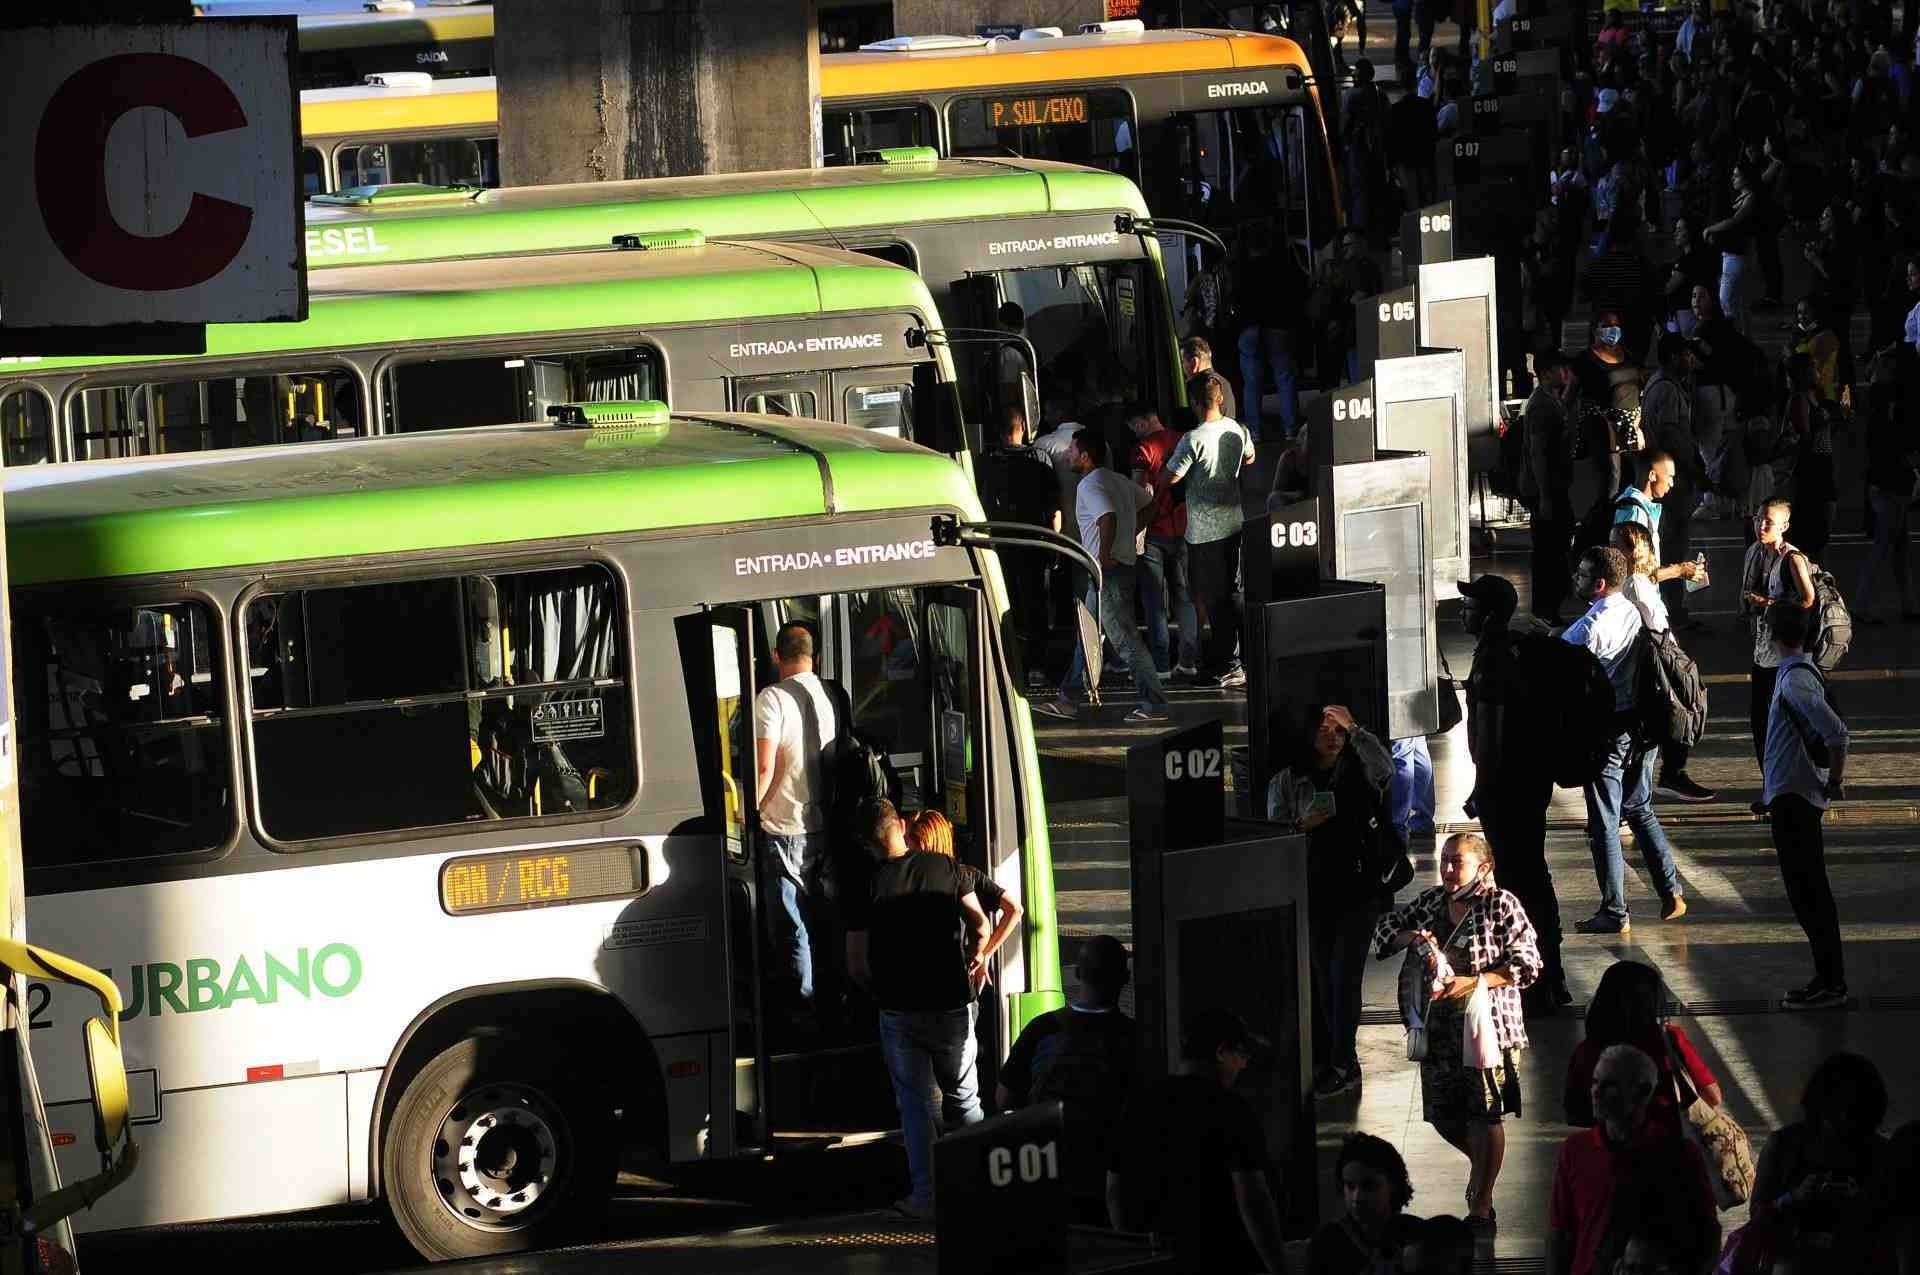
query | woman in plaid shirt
[1489, 940]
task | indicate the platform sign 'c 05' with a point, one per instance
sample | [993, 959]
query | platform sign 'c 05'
[162, 175]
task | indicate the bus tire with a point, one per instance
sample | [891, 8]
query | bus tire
[495, 1147]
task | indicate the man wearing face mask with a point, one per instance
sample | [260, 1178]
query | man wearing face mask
[1609, 380]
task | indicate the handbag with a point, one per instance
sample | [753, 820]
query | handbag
[1450, 710]
[1722, 1142]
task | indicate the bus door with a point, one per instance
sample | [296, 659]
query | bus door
[880, 399]
[1090, 323]
[720, 643]
[793, 394]
[1253, 163]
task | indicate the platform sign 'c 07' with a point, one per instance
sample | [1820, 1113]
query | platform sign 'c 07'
[157, 174]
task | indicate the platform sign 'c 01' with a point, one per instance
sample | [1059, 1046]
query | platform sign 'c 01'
[157, 174]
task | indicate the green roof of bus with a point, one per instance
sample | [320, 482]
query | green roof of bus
[502, 296]
[794, 201]
[165, 515]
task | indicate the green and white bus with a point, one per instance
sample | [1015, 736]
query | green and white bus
[389, 349]
[1073, 247]
[405, 788]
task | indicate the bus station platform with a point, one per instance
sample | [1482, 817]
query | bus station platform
[843, 1244]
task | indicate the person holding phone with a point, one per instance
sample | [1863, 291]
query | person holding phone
[1821, 1179]
[1335, 791]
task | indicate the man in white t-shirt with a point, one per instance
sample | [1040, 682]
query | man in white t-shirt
[794, 728]
[1110, 509]
[1207, 465]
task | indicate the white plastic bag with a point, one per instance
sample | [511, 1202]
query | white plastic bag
[1481, 1047]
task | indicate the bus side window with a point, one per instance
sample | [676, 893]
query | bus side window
[251, 410]
[855, 131]
[123, 737]
[884, 409]
[26, 427]
[313, 171]
[442, 701]
[458, 391]
[443, 161]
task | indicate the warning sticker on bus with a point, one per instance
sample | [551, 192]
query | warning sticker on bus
[559, 720]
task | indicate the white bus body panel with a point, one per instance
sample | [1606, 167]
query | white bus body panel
[380, 951]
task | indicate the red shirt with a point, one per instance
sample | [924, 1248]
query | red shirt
[1666, 1112]
[1168, 517]
[1591, 1169]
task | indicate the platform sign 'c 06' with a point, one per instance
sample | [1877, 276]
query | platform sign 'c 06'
[164, 175]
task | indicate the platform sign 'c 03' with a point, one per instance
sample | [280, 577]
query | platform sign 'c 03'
[163, 171]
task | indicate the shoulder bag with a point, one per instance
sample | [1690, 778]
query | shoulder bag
[1450, 710]
[1724, 1144]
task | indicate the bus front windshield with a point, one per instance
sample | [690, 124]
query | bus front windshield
[1086, 324]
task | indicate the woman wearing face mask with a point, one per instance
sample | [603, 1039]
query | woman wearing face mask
[1490, 943]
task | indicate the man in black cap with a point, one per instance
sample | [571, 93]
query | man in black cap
[1511, 789]
[1083, 1057]
[1191, 1162]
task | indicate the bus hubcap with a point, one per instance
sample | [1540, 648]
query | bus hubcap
[496, 1155]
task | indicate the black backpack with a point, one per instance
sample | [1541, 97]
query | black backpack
[1835, 632]
[1669, 699]
[1568, 708]
[858, 772]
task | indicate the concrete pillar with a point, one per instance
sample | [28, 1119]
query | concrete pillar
[960, 17]
[605, 90]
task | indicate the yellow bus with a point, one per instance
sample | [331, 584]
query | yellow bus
[401, 127]
[344, 41]
[1219, 127]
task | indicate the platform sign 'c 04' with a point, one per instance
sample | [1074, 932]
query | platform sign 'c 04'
[163, 172]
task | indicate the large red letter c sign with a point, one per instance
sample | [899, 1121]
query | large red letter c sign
[69, 173]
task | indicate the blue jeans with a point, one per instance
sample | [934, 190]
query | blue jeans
[1275, 347]
[1117, 626]
[795, 918]
[1338, 943]
[1733, 297]
[1412, 792]
[1624, 791]
[924, 1048]
[1164, 566]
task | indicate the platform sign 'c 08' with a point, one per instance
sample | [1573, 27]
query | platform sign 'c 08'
[164, 174]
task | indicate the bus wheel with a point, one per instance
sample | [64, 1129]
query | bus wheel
[494, 1149]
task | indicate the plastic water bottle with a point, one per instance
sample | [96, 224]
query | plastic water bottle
[1699, 582]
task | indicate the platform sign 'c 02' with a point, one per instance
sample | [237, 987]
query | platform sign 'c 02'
[162, 176]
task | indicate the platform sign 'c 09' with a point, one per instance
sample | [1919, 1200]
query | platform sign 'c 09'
[163, 172]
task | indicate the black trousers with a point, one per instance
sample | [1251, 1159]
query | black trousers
[1801, 847]
[1213, 573]
[1550, 575]
[1513, 814]
[1760, 686]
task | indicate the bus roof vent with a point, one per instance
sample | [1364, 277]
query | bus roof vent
[1120, 26]
[902, 156]
[389, 6]
[656, 240]
[925, 43]
[1042, 33]
[399, 195]
[622, 414]
[400, 80]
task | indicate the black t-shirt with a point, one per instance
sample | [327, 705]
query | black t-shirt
[1336, 1250]
[1017, 484]
[912, 917]
[1179, 1143]
[1084, 1059]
